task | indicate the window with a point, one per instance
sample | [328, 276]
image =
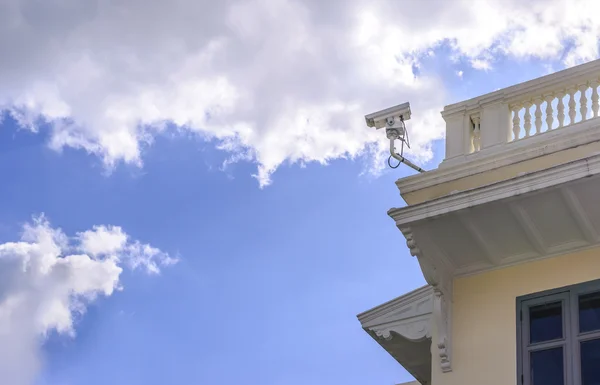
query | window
[559, 336]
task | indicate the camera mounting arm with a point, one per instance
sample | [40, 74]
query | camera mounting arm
[393, 134]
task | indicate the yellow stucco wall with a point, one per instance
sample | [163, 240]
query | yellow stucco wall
[484, 316]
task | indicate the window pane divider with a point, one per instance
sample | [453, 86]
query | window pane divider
[546, 345]
[588, 336]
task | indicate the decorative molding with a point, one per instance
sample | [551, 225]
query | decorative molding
[408, 316]
[412, 330]
[500, 156]
[412, 304]
[534, 181]
[537, 242]
[440, 279]
[442, 313]
[403, 328]
[562, 187]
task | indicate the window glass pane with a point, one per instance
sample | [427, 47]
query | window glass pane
[590, 362]
[589, 312]
[545, 322]
[547, 367]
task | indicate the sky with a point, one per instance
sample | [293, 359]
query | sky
[190, 194]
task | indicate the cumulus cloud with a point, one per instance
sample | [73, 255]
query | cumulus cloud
[113, 241]
[268, 81]
[47, 279]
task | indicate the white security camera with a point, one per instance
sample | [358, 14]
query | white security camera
[393, 119]
[390, 117]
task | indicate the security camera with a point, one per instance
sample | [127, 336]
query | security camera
[390, 117]
[393, 119]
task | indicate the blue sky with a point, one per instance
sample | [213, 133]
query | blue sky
[269, 280]
[190, 194]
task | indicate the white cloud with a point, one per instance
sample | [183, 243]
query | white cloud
[459, 74]
[48, 279]
[270, 81]
[102, 240]
[481, 64]
[111, 242]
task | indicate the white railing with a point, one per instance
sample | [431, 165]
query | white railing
[513, 114]
[550, 110]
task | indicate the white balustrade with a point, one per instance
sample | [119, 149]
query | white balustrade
[522, 111]
[545, 106]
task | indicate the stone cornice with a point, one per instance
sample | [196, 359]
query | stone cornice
[511, 153]
[505, 189]
[394, 305]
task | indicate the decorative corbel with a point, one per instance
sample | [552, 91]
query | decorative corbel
[439, 278]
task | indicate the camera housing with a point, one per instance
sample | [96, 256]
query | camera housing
[390, 117]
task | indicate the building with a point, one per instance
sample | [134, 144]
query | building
[507, 233]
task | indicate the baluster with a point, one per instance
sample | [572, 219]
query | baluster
[527, 119]
[472, 139]
[595, 98]
[572, 105]
[583, 108]
[561, 109]
[538, 115]
[476, 133]
[516, 129]
[549, 111]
